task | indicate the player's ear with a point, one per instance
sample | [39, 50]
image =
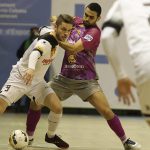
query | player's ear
[98, 18]
[55, 26]
[53, 20]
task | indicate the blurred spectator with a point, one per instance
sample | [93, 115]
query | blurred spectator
[34, 32]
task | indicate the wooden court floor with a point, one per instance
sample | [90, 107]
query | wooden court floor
[80, 131]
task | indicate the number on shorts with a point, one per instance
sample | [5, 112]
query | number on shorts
[7, 87]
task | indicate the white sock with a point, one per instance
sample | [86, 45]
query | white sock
[53, 121]
[124, 140]
[31, 137]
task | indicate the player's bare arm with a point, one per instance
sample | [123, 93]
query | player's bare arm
[29, 74]
[109, 36]
[76, 47]
[33, 58]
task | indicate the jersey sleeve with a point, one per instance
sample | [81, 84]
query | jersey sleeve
[91, 39]
[45, 29]
[45, 43]
[114, 17]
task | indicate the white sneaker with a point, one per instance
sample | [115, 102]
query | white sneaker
[131, 145]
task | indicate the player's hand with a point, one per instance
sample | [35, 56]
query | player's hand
[124, 90]
[28, 76]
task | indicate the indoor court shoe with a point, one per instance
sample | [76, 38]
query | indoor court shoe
[57, 141]
[131, 145]
[30, 142]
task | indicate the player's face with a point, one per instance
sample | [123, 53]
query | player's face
[63, 31]
[90, 17]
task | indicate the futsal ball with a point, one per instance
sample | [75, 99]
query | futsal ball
[18, 139]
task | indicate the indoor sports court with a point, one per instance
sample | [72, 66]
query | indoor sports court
[79, 126]
[82, 132]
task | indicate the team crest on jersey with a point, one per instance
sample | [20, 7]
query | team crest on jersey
[71, 59]
[88, 37]
[79, 32]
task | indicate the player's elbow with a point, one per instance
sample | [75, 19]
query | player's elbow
[108, 33]
[108, 38]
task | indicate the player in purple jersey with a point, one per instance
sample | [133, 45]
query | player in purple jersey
[78, 75]
[80, 65]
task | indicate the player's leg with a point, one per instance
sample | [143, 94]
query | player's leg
[99, 101]
[13, 90]
[144, 96]
[33, 117]
[60, 87]
[3, 105]
[5, 92]
[92, 92]
[54, 104]
[45, 96]
[9, 94]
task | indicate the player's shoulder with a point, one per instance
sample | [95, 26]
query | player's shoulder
[45, 29]
[46, 35]
[94, 30]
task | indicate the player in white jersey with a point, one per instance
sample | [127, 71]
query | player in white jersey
[27, 76]
[135, 16]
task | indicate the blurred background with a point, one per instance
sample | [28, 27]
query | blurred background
[18, 17]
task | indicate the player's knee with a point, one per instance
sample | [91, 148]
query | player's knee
[148, 121]
[2, 109]
[57, 109]
[107, 113]
[3, 106]
[54, 106]
[53, 103]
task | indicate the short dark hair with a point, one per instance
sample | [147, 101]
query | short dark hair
[95, 7]
[64, 18]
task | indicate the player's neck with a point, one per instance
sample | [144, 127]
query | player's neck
[53, 33]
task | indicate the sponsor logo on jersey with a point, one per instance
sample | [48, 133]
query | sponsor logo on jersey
[88, 37]
[46, 61]
[74, 66]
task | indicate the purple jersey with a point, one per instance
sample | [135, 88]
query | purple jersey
[81, 65]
